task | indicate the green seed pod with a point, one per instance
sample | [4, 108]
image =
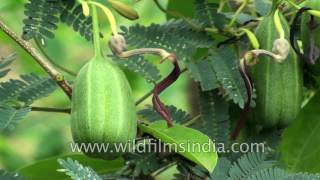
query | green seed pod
[311, 38]
[103, 109]
[124, 10]
[278, 85]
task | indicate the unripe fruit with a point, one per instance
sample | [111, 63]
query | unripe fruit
[278, 85]
[103, 109]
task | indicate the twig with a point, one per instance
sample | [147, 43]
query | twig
[47, 109]
[54, 74]
[236, 15]
[192, 121]
[45, 54]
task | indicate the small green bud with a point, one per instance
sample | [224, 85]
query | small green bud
[124, 10]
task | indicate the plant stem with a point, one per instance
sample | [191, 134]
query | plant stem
[53, 73]
[236, 15]
[221, 5]
[193, 120]
[47, 109]
[45, 54]
[96, 35]
[144, 97]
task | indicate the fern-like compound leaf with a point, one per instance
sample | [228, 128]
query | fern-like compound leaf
[77, 171]
[4, 63]
[207, 14]
[140, 164]
[10, 117]
[138, 64]
[202, 71]
[72, 16]
[221, 170]
[4, 175]
[214, 116]
[174, 36]
[178, 115]
[224, 62]
[30, 88]
[248, 165]
[280, 174]
[44, 16]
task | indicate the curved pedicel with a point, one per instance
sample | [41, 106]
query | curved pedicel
[244, 114]
[308, 55]
[161, 86]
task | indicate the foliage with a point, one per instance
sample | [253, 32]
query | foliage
[10, 176]
[77, 171]
[4, 63]
[202, 72]
[248, 165]
[138, 64]
[208, 41]
[49, 166]
[174, 36]
[178, 115]
[214, 116]
[26, 90]
[10, 117]
[298, 147]
[43, 17]
[207, 14]
[179, 135]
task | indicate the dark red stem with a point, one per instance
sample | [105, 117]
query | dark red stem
[244, 114]
[161, 86]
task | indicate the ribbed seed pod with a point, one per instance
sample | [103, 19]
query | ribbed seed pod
[103, 109]
[278, 85]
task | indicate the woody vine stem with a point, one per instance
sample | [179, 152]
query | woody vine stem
[45, 65]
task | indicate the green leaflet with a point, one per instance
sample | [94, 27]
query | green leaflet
[41, 169]
[10, 117]
[299, 146]
[26, 89]
[180, 135]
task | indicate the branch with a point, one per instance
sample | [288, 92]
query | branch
[47, 109]
[54, 74]
[43, 51]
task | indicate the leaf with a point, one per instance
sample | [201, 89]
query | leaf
[43, 17]
[4, 175]
[77, 171]
[27, 90]
[280, 174]
[207, 15]
[221, 170]
[270, 174]
[179, 136]
[41, 169]
[298, 148]
[248, 164]
[263, 7]
[178, 115]
[175, 36]
[203, 72]
[138, 164]
[182, 7]
[214, 116]
[10, 117]
[4, 63]
[224, 62]
[141, 66]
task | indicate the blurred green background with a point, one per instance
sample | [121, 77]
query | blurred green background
[42, 135]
